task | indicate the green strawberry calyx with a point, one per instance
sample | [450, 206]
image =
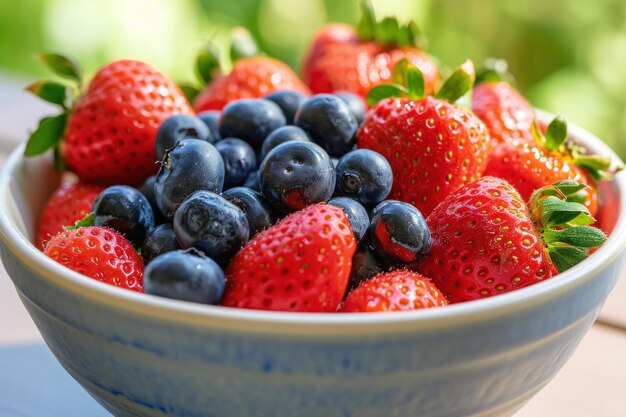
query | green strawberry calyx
[87, 221]
[564, 223]
[494, 70]
[63, 93]
[408, 82]
[388, 31]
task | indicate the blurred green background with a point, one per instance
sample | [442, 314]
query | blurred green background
[569, 56]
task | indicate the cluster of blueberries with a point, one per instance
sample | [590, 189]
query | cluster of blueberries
[226, 176]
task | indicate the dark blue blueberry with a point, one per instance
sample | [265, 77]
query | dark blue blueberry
[126, 210]
[147, 189]
[399, 234]
[259, 213]
[297, 174]
[288, 101]
[282, 135]
[191, 166]
[355, 104]
[253, 181]
[211, 224]
[329, 122]
[159, 240]
[380, 205]
[365, 265]
[364, 175]
[211, 118]
[356, 213]
[185, 275]
[179, 127]
[251, 120]
[239, 161]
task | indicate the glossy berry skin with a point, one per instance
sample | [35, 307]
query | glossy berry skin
[158, 241]
[295, 175]
[433, 147]
[250, 78]
[356, 213]
[239, 161]
[147, 189]
[365, 265]
[380, 205]
[191, 166]
[251, 120]
[112, 129]
[281, 135]
[302, 263]
[68, 204]
[211, 118]
[506, 113]
[399, 234]
[329, 123]
[484, 243]
[125, 210]
[258, 211]
[288, 101]
[212, 225]
[185, 275]
[355, 104]
[394, 291]
[364, 175]
[99, 253]
[179, 127]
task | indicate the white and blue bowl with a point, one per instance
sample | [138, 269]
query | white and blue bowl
[141, 355]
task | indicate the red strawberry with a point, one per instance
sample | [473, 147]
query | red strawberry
[394, 291]
[300, 264]
[98, 253]
[504, 110]
[68, 204]
[110, 130]
[434, 147]
[250, 78]
[485, 242]
[357, 59]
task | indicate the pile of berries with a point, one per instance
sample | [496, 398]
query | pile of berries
[372, 185]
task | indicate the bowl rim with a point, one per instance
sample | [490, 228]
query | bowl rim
[314, 324]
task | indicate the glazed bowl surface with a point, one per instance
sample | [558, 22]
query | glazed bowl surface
[145, 356]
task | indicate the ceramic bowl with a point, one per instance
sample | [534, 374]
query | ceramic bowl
[144, 356]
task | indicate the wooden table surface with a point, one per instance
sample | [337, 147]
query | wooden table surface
[32, 384]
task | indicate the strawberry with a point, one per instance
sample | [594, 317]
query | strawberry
[301, 263]
[433, 146]
[98, 253]
[529, 164]
[394, 291]
[109, 130]
[342, 58]
[485, 241]
[68, 204]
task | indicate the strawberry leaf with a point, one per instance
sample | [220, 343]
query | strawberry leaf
[387, 31]
[58, 160]
[48, 135]
[87, 221]
[556, 133]
[243, 44]
[208, 62]
[415, 82]
[565, 257]
[50, 91]
[190, 91]
[384, 91]
[494, 70]
[398, 76]
[583, 236]
[61, 66]
[459, 83]
[367, 24]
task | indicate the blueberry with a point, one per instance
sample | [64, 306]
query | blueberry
[251, 120]
[185, 275]
[259, 213]
[356, 213]
[288, 101]
[399, 234]
[239, 161]
[355, 104]
[211, 119]
[126, 210]
[159, 240]
[329, 122]
[335, 161]
[191, 166]
[253, 181]
[179, 127]
[380, 205]
[211, 224]
[364, 175]
[147, 189]
[282, 135]
[297, 174]
[365, 265]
